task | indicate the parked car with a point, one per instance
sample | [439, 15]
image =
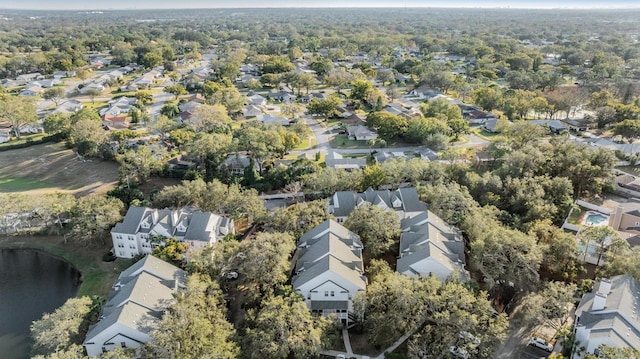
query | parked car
[230, 275]
[468, 337]
[459, 352]
[541, 344]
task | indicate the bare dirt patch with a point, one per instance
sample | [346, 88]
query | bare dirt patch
[52, 167]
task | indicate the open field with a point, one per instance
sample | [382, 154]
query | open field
[52, 167]
[97, 276]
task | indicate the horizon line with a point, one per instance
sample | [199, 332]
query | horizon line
[595, 7]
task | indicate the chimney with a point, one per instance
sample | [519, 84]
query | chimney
[600, 299]
[605, 286]
[598, 302]
[616, 217]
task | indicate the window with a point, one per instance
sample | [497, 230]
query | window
[131, 246]
[123, 344]
[120, 245]
[130, 238]
[104, 349]
[326, 293]
[121, 253]
[333, 294]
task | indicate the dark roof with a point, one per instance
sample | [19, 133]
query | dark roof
[131, 221]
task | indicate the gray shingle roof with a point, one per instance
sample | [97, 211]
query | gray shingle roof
[131, 221]
[156, 267]
[330, 264]
[333, 227]
[428, 250]
[621, 306]
[131, 315]
[202, 226]
[329, 244]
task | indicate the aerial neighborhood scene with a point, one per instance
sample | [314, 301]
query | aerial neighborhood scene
[215, 179]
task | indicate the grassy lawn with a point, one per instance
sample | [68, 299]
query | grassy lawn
[343, 141]
[306, 144]
[485, 135]
[24, 139]
[51, 167]
[21, 184]
[97, 276]
[333, 122]
[575, 217]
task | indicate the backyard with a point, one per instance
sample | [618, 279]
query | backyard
[52, 167]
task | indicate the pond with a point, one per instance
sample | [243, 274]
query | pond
[31, 283]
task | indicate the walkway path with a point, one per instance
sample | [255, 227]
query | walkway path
[347, 342]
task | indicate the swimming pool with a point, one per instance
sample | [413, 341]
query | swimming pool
[593, 218]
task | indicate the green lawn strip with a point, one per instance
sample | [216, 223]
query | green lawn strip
[24, 139]
[97, 276]
[22, 184]
[342, 141]
[575, 217]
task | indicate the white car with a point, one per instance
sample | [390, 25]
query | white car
[459, 352]
[541, 344]
[230, 275]
[468, 337]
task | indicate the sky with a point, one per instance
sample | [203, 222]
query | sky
[173, 4]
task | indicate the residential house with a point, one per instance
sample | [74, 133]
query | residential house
[555, 126]
[478, 117]
[361, 133]
[577, 125]
[193, 80]
[329, 269]
[98, 86]
[423, 93]
[430, 246]
[119, 106]
[491, 125]
[68, 107]
[383, 156]
[608, 316]
[46, 83]
[317, 95]
[190, 106]
[272, 119]
[112, 122]
[282, 96]
[354, 120]
[627, 185]
[428, 154]
[5, 134]
[136, 303]
[132, 236]
[236, 164]
[26, 78]
[250, 69]
[257, 100]
[63, 74]
[252, 111]
[403, 201]
[335, 160]
[34, 90]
